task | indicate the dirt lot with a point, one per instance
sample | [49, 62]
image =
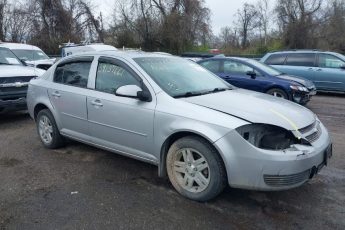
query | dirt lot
[80, 187]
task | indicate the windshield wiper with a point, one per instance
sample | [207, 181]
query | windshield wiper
[189, 94]
[199, 93]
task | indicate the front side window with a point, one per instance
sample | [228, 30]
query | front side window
[110, 77]
[330, 61]
[276, 59]
[233, 67]
[178, 77]
[212, 66]
[301, 59]
[75, 74]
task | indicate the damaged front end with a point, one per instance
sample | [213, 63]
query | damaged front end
[270, 137]
[270, 158]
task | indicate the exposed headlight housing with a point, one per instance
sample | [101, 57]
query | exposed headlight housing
[269, 137]
[299, 88]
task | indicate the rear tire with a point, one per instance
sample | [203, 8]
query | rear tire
[48, 130]
[195, 169]
[278, 93]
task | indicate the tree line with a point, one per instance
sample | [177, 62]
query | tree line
[176, 26]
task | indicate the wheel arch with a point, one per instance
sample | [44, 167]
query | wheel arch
[162, 171]
[281, 88]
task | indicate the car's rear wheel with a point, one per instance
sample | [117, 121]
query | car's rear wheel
[277, 93]
[48, 130]
[195, 169]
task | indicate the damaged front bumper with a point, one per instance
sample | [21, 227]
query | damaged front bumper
[12, 105]
[249, 167]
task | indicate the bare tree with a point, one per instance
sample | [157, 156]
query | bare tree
[246, 21]
[3, 4]
[297, 18]
[263, 19]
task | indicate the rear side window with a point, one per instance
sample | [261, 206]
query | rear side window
[301, 59]
[75, 74]
[276, 59]
[212, 66]
[111, 76]
[330, 61]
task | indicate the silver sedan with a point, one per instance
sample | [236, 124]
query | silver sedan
[200, 131]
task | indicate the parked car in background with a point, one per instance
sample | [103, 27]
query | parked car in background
[68, 49]
[32, 55]
[14, 80]
[251, 74]
[173, 113]
[325, 69]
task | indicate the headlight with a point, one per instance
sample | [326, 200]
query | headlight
[269, 137]
[299, 88]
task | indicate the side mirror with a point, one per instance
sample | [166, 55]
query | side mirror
[133, 91]
[342, 67]
[252, 74]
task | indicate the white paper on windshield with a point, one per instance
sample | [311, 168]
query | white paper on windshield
[12, 61]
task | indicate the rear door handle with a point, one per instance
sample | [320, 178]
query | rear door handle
[97, 103]
[319, 70]
[56, 94]
[311, 69]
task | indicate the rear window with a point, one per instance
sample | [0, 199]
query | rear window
[301, 59]
[75, 74]
[276, 59]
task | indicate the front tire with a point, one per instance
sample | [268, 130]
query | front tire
[278, 93]
[195, 169]
[48, 130]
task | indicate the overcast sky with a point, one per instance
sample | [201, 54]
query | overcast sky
[222, 11]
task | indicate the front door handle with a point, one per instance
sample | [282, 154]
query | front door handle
[319, 70]
[56, 94]
[97, 103]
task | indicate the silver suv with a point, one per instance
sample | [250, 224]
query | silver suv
[199, 130]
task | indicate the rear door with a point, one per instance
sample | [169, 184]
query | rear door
[301, 65]
[68, 95]
[120, 123]
[329, 74]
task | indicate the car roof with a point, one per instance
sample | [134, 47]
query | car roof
[120, 53]
[302, 51]
[223, 58]
[19, 46]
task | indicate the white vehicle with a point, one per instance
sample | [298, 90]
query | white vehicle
[71, 48]
[32, 55]
[14, 81]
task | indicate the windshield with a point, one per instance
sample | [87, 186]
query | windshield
[265, 68]
[179, 77]
[30, 55]
[8, 58]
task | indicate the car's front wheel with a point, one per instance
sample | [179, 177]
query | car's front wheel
[48, 130]
[278, 93]
[195, 169]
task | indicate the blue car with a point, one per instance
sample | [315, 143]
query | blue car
[325, 69]
[253, 75]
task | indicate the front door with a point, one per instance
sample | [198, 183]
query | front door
[329, 75]
[235, 73]
[120, 123]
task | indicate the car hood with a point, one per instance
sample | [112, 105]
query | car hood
[19, 71]
[257, 108]
[302, 81]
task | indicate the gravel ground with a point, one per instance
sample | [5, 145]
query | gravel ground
[80, 187]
